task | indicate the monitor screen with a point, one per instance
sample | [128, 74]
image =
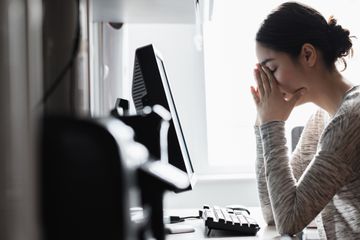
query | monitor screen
[151, 87]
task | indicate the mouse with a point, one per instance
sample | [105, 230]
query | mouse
[238, 207]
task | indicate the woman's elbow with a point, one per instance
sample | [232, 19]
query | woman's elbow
[288, 229]
[269, 221]
[268, 216]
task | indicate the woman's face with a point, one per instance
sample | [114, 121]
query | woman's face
[288, 74]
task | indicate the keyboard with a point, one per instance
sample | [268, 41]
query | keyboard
[237, 222]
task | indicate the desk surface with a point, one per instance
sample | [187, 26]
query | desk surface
[266, 232]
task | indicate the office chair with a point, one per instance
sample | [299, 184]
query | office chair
[295, 136]
[83, 185]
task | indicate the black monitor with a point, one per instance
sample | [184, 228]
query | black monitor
[151, 87]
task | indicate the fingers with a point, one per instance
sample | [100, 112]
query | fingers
[255, 94]
[259, 82]
[272, 81]
[266, 82]
[264, 79]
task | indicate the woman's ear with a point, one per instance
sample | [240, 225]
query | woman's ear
[308, 55]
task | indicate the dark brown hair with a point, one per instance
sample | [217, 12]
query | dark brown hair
[291, 25]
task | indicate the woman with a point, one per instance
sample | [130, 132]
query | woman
[297, 50]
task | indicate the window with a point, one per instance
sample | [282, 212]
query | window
[229, 50]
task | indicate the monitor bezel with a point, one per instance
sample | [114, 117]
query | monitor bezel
[175, 118]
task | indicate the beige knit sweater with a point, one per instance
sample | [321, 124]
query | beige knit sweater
[321, 179]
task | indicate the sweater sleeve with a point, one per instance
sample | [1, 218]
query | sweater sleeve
[296, 203]
[261, 181]
[301, 157]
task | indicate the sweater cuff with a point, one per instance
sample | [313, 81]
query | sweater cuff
[257, 134]
[273, 136]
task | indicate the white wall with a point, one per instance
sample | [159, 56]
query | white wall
[106, 54]
[184, 66]
[183, 60]
[221, 192]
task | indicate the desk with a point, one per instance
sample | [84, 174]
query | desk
[266, 232]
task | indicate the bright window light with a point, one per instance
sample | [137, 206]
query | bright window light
[229, 50]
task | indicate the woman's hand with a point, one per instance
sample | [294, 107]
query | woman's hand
[269, 100]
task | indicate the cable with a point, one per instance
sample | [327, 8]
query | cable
[190, 217]
[177, 219]
[74, 53]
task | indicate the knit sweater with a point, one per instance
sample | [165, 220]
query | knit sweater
[322, 177]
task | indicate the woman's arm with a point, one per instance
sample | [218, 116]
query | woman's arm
[296, 203]
[301, 157]
[261, 181]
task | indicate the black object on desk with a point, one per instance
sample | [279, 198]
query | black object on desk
[83, 185]
[146, 126]
[237, 222]
[155, 176]
[154, 179]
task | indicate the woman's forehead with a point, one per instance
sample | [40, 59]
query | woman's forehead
[265, 54]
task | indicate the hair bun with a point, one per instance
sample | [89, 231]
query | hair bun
[332, 21]
[339, 39]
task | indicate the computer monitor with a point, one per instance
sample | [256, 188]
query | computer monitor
[151, 87]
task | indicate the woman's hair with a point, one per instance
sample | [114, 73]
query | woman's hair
[290, 26]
